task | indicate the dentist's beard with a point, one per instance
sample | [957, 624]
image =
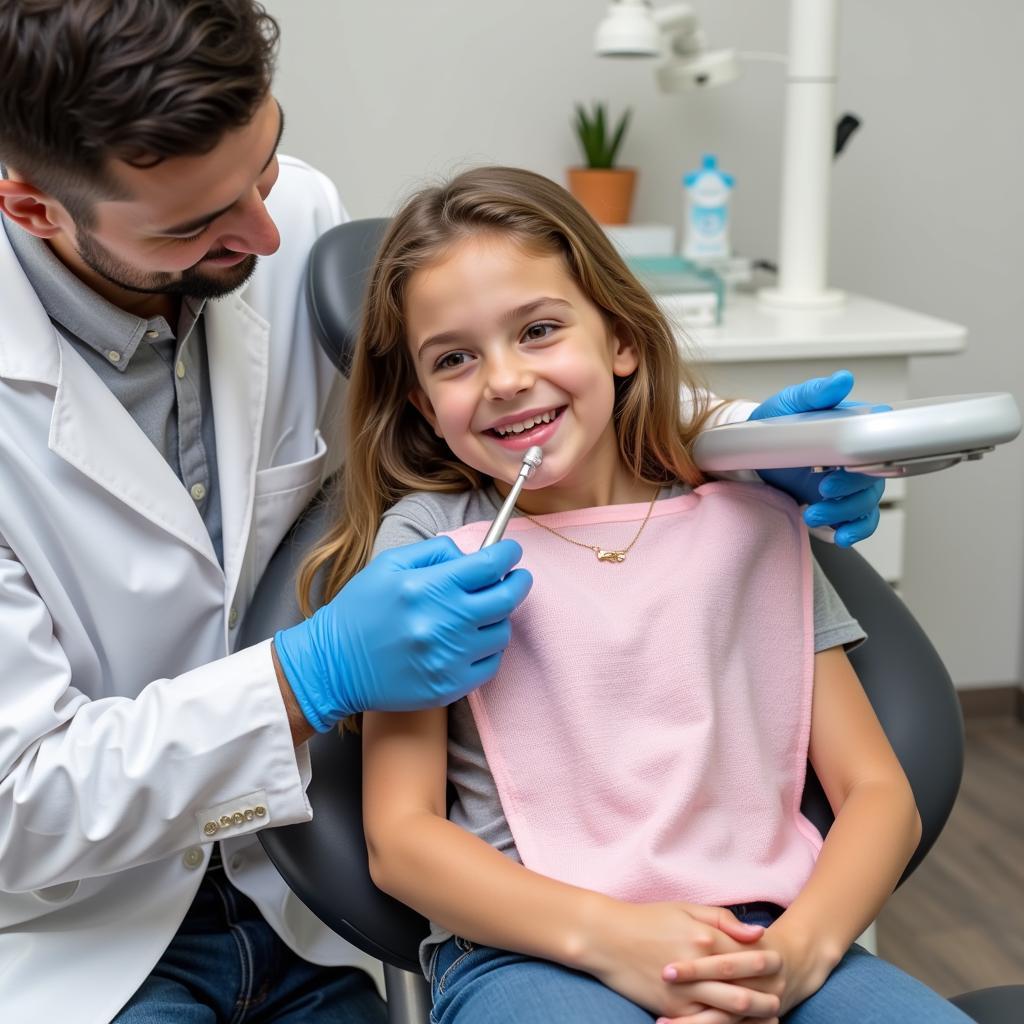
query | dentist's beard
[193, 282]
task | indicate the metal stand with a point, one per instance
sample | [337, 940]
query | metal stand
[408, 996]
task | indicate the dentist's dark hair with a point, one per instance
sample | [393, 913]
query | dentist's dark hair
[393, 451]
[86, 81]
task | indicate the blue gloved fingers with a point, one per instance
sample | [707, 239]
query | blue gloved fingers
[481, 569]
[808, 396]
[499, 601]
[840, 482]
[486, 647]
[489, 644]
[836, 511]
[434, 551]
[483, 671]
[799, 484]
[405, 632]
[850, 533]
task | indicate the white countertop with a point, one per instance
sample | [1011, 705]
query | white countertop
[861, 327]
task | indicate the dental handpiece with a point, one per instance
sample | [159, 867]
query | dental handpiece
[531, 460]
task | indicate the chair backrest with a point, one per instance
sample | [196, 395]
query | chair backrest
[339, 272]
[325, 861]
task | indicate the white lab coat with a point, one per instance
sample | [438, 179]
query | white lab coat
[126, 725]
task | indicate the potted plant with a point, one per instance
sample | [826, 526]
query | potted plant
[604, 190]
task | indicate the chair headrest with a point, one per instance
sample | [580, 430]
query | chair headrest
[339, 272]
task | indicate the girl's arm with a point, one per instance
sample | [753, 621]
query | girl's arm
[456, 879]
[875, 832]
[876, 828]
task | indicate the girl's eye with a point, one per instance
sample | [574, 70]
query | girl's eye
[538, 332]
[451, 360]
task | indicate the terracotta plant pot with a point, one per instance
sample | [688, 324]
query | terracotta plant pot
[607, 195]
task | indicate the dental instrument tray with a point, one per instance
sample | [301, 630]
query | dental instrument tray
[914, 437]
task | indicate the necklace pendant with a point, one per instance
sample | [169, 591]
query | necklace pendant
[610, 556]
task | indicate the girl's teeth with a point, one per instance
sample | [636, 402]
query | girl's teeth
[519, 428]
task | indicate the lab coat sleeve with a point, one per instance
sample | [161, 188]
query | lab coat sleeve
[724, 410]
[89, 787]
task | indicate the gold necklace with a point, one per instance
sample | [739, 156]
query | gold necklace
[603, 554]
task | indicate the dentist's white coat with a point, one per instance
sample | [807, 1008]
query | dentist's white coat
[125, 726]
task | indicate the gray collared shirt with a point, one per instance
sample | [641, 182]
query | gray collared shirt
[160, 376]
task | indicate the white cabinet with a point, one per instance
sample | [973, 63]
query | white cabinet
[757, 351]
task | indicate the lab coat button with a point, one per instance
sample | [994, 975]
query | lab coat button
[232, 617]
[225, 820]
[114, 356]
[198, 492]
[237, 818]
[260, 810]
[249, 814]
[179, 369]
[210, 828]
[193, 858]
[152, 334]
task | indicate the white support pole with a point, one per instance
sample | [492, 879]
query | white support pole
[808, 144]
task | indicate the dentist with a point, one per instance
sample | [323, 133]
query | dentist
[163, 414]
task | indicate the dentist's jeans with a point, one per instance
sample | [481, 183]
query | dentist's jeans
[226, 965]
[479, 985]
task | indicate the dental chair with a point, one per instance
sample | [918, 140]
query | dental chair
[324, 861]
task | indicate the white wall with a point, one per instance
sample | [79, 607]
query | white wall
[928, 210]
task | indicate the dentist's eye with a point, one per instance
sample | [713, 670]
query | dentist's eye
[451, 359]
[538, 332]
[188, 238]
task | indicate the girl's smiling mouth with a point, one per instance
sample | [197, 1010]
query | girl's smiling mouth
[533, 428]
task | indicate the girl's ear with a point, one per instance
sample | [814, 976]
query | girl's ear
[419, 399]
[624, 355]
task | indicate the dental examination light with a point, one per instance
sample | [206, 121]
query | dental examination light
[635, 28]
[632, 28]
[908, 439]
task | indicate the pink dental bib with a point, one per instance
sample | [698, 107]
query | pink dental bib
[648, 728]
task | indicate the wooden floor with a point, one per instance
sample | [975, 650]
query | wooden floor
[958, 921]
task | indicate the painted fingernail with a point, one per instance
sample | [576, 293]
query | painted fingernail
[670, 974]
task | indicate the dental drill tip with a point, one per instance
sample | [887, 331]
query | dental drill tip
[533, 457]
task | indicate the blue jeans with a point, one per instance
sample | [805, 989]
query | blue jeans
[478, 985]
[226, 965]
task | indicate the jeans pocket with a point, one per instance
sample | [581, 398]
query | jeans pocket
[466, 949]
[432, 966]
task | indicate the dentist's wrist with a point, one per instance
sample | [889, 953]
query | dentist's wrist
[298, 723]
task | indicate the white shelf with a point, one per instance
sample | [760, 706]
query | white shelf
[860, 328]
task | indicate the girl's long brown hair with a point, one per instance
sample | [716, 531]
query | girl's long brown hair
[392, 451]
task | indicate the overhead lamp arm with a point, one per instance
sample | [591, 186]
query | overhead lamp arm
[636, 28]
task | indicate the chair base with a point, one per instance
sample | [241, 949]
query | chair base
[408, 996]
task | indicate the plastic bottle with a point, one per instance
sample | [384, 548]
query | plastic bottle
[707, 212]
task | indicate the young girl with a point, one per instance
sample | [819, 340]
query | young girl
[637, 764]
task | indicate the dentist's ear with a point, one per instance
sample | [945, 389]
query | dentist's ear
[419, 399]
[31, 209]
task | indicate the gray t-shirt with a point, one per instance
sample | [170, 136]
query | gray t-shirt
[477, 806]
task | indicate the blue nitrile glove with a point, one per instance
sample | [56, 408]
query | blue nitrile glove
[419, 627]
[851, 499]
